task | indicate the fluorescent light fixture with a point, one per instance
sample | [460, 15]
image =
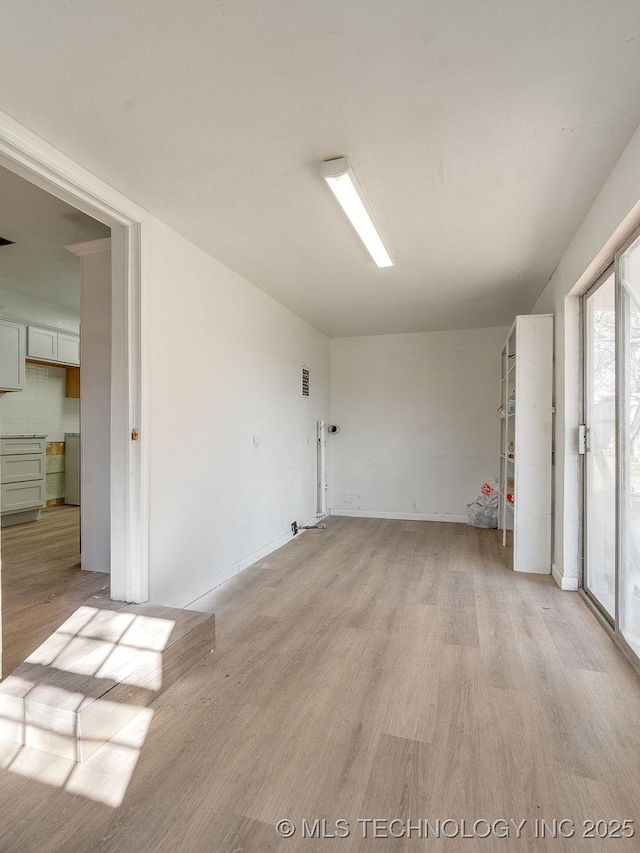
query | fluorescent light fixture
[344, 185]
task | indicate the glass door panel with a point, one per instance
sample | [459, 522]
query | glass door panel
[600, 455]
[629, 555]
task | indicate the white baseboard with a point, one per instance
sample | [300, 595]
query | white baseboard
[194, 598]
[191, 602]
[570, 584]
[401, 516]
[250, 559]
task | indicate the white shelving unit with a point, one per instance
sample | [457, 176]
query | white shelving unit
[526, 415]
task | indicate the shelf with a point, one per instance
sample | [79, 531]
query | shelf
[505, 501]
[528, 395]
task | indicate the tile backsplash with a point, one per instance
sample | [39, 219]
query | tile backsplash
[42, 407]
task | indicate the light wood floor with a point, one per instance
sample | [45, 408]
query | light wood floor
[378, 669]
[42, 582]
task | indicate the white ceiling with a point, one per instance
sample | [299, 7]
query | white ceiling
[41, 226]
[481, 131]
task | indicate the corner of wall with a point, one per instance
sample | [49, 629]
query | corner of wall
[565, 583]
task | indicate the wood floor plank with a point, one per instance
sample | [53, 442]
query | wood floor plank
[380, 668]
[42, 581]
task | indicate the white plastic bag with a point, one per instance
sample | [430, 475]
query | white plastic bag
[489, 493]
[483, 512]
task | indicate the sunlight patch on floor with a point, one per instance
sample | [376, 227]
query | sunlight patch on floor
[104, 777]
[64, 717]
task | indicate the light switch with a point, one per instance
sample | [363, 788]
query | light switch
[257, 441]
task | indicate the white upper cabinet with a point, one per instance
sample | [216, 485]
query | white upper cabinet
[49, 345]
[42, 343]
[68, 348]
[12, 355]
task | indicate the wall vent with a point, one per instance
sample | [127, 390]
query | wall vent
[304, 388]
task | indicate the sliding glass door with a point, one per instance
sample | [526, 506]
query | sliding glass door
[611, 445]
[629, 462]
[600, 443]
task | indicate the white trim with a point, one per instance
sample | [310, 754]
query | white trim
[566, 583]
[402, 516]
[190, 603]
[185, 602]
[91, 247]
[261, 553]
[29, 156]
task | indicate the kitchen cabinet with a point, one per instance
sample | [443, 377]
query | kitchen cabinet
[12, 355]
[23, 486]
[51, 346]
[68, 348]
[42, 343]
[72, 468]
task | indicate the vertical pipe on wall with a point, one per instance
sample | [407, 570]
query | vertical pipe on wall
[322, 471]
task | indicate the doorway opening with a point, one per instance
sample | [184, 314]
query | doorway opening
[48, 360]
[25, 155]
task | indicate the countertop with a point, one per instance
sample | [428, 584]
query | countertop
[24, 435]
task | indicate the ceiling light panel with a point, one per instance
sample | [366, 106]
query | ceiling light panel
[343, 183]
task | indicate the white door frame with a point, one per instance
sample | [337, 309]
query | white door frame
[29, 156]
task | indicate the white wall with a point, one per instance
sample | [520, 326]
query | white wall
[419, 432]
[223, 361]
[613, 216]
[42, 406]
[95, 428]
[19, 306]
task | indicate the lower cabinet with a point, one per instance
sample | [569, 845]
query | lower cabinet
[23, 487]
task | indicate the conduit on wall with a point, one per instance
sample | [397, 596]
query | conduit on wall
[322, 471]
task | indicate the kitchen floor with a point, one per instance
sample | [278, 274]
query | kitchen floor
[42, 583]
